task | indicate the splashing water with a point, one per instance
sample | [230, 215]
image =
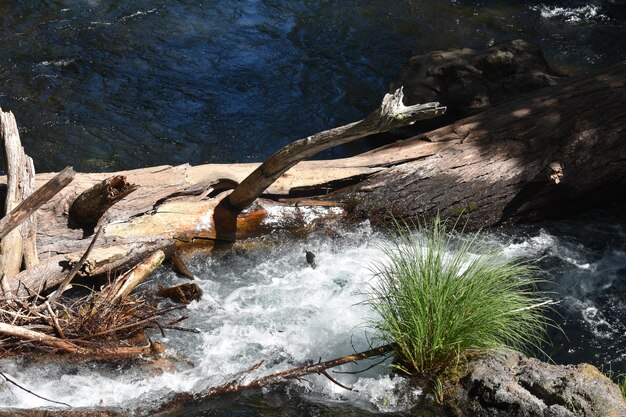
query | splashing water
[269, 304]
[585, 13]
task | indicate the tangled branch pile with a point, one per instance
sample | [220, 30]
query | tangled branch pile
[108, 323]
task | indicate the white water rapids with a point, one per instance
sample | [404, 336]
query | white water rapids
[269, 304]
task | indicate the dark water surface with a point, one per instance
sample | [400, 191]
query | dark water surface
[110, 85]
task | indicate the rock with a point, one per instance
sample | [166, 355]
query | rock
[184, 293]
[310, 259]
[467, 80]
[513, 385]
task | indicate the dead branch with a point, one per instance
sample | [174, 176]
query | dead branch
[44, 339]
[127, 282]
[75, 269]
[35, 200]
[11, 381]
[92, 203]
[181, 400]
[391, 114]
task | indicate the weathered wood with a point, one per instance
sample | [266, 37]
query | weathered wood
[40, 197]
[497, 165]
[77, 266]
[51, 272]
[29, 228]
[391, 114]
[92, 203]
[129, 281]
[38, 337]
[15, 163]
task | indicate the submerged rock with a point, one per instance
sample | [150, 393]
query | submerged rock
[184, 293]
[468, 80]
[513, 385]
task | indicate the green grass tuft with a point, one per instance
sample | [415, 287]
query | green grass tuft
[622, 385]
[442, 300]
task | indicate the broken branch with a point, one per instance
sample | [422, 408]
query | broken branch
[391, 114]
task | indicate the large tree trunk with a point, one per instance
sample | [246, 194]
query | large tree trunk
[531, 155]
[543, 154]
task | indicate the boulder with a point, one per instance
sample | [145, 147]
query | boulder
[512, 385]
[467, 80]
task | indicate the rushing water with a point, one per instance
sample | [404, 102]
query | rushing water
[268, 304]
[107, 85]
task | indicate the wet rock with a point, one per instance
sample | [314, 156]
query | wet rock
[468, 80]
[184, 293]
[513, 385]
[310, 259]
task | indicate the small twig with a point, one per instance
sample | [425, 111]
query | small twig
[75, 269]
[55, 322]
[335, 381]
[181, 329]
[31, 392]
[363, 370]
[256, 366]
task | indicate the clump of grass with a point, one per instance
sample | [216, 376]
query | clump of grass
[441, 301]
[622, 384]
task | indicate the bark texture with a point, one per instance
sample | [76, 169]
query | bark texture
[499, 164]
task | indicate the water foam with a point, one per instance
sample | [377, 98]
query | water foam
[269, 304]
[264, 305]
[570, 14]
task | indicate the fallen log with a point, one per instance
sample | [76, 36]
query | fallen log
[499, 165]
[495, 166]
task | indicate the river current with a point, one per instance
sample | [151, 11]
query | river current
[105, 86]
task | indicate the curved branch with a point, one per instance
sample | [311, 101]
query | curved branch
[391, 114]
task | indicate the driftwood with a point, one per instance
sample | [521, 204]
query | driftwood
[127, 282]
[38, 337]
[181, 401]
[391, 114]
[92, 203]
[21, 177]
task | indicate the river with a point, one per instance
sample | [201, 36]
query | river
[109, 85]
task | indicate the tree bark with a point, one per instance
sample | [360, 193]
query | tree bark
[547, 153]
